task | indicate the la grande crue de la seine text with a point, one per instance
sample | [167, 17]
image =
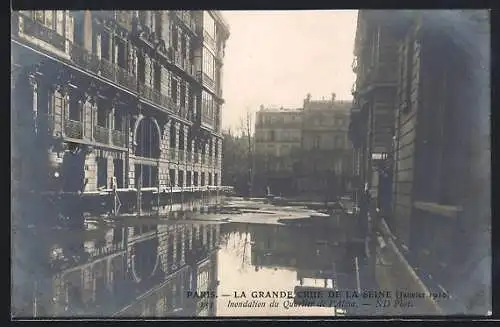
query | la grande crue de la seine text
[316, 294]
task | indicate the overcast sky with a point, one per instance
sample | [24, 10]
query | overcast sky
[277, 57]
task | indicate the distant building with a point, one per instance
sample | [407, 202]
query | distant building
[277, 144]
[325, 157]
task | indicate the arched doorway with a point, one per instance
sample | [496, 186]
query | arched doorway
[147, 151]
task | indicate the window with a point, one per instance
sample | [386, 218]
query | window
[174, 89]
[208, 63]
[105, 46]
[183, 46]
[165, 78]
[74, 108]
[60, 22]
[183, 94]
[175, 37]
[209, 24]
[97, 43]
[316, 142]
[49, 18]
[102, 172]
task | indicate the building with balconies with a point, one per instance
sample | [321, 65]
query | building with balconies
[277, 143]
[420, 131]
[325, 150]
[131, 99]
[126, 271]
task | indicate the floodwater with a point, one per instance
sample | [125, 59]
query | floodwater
[183, 266]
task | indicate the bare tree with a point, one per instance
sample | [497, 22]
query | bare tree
[246, 130]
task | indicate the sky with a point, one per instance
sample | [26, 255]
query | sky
[275, 58]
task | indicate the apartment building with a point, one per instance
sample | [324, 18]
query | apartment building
[278, 133]
[131, 99]
[325, 146]
[419, 128]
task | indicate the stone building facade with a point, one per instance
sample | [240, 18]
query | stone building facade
[325, 157]
[125, 98]
[298, 148]
[278, 134]
[419, 128]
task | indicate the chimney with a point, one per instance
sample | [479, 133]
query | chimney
[307, 99]
[333, 97]
[261, 107]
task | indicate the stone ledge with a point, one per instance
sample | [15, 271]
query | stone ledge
[438, 209]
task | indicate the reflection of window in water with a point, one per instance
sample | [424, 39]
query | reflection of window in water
[160, 306]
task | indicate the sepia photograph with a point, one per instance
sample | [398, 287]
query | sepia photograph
[250, 163]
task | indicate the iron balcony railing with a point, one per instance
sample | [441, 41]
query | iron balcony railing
[178, 59]
[209, 39]
[101, 134]
[118, 138]
[207, 120]
[42, 32]
[105, 68]
[157, 97]
[206, 80]
[73, 129]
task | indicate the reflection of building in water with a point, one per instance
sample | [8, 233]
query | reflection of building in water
[272, 246]
[130, 271]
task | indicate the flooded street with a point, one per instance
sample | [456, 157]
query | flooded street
[190, 262]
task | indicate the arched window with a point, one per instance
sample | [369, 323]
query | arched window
[148, 139]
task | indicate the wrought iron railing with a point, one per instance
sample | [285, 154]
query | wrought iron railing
[178, 59]
[73, 129]
[101, 134]
[115, 73]
[209, 39]
[35, 29]
[118, 138]
[205, 79]
[207, 120]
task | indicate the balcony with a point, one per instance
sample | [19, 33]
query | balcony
[118, 138]
[115, 73]
[207, 120]
[178, 59]
[33, 28]
[73, 129]
[156, 97]
[209, 39]
[206, 80]
[101, 134]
